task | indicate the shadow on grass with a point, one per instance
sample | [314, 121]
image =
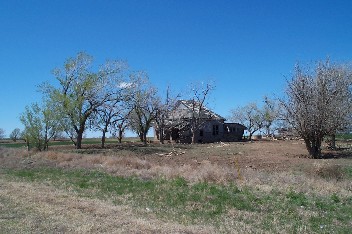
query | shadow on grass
[338, 153]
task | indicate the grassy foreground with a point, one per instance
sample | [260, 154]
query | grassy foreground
[221, 206]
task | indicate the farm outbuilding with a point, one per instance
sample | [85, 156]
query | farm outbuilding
[212, 127]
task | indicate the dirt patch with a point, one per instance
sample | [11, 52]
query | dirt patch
[263, 155]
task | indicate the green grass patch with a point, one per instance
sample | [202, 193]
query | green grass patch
[13, 145]
[348, 172]
[298, 199]
[344, 136]
[202, 203]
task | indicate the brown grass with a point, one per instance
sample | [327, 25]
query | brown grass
[264, 165]
[328, 171]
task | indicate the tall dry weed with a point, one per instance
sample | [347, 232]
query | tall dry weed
[13, 158]
[203, 172]
[300, 182]
[328, 171]
[10, 152]
[132, 163]
[59, 156]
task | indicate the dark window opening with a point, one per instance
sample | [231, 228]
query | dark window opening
[215, 130]
[201, 132]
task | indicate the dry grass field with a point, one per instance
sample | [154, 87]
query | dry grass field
[243, 187]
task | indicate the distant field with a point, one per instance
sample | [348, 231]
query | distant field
[87, 141]
[346, 136]
[96, 141]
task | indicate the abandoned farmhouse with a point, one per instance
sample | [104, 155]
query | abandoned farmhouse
[210, 127]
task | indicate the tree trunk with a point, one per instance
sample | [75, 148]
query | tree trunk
[28, 147]
[119, 138]
[27, 143]
[333, 142]
[46, 144]
[193, 136]
[79, 139]
[103, 140]
[161, 136]
[145, 138]
[73, 141]
[314, 147]
[141, 136]
[193, 132]
[250, 136]
[268, 131]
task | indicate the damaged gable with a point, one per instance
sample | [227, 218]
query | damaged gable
[211, 127]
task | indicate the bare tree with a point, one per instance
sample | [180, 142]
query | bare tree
[143, 104]
[113, 115]
[15, 134]
[319, 103]
[121, 123]
[2, 133]
[198, 101]
[103, 118]
[163, 113]
[249, 116]
[271, 110]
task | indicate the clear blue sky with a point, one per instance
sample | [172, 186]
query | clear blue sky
[246, 47]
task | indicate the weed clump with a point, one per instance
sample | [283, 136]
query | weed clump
[329, 172]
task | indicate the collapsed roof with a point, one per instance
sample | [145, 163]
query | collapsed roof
[188, 109]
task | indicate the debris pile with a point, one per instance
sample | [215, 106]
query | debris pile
[174, 152]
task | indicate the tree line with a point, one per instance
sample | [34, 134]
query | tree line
[111, 99]
[318, 103]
